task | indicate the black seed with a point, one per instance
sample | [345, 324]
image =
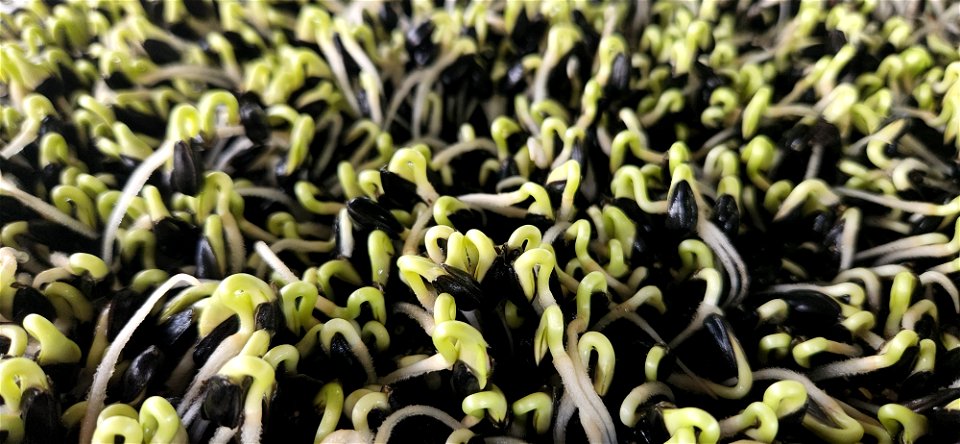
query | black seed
[268, 316]
[463, 287]
[173, 334]
[397, 191]
[243, 50]
[124, 304]
[649, 427]
[388, 17]
[160, 52]
[187, 171]
[50, 125]
[362, 103]
[206, 260]
[40, 413]
[420, 44]
[682, 213]
[933, 400]
[367, 215]
[835, 40]
[199, 10]
[254, 119]
[527, 34]
[463, 382]
[140, 373]
[223, 402]
[726, 215]
[51, 88]
[175, 241]
[514, 81]
[28, 300]
[619, 80]
[808, 308]
[345, 363]
[139, 122]
[118, 80]
[211, 341]
[709, 351]
[467, 219]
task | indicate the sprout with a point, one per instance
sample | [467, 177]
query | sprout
[512, 181]
[55, 348]
[490, 403]
[542, 407]
[681, 425]
[594, 417]
[259, 391]
[97, 392]
[160, 422]
[639, 396]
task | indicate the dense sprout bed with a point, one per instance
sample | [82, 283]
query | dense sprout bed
[480, 221]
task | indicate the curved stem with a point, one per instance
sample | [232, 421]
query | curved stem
[98, 390]
[386, 428]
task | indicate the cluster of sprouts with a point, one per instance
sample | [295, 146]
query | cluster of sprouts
[461, 221]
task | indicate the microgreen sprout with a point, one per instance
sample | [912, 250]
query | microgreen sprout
[348, 221]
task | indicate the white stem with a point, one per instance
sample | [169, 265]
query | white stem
[925, 208]
[275, 263]
[236, 147]
[945, 282]
[235, 245]
[418, 314]
[900, 244]
[564, 413]
[134, 184]
[223, 435]
[27, 134]
[493, 202]
[46, 210]
[568, 374]
[98, 390]
[402, 94]
[729, 257]
[339, 70]
[926, 251]
[348, 436]
[822, 398]
[198, 73]
[191, 414]
[851, 229]
[695, 324]
[599, 415]
[50, 275]
[444, 156]
[227, 349]
[386, 429]
[301, 246]
[415, 235]
[434, 363]
[424, 87]
[252, 424]
[360, 56]
[503, 440]
[345, 227]
[813, 165]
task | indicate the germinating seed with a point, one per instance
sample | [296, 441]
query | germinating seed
[469, 221]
